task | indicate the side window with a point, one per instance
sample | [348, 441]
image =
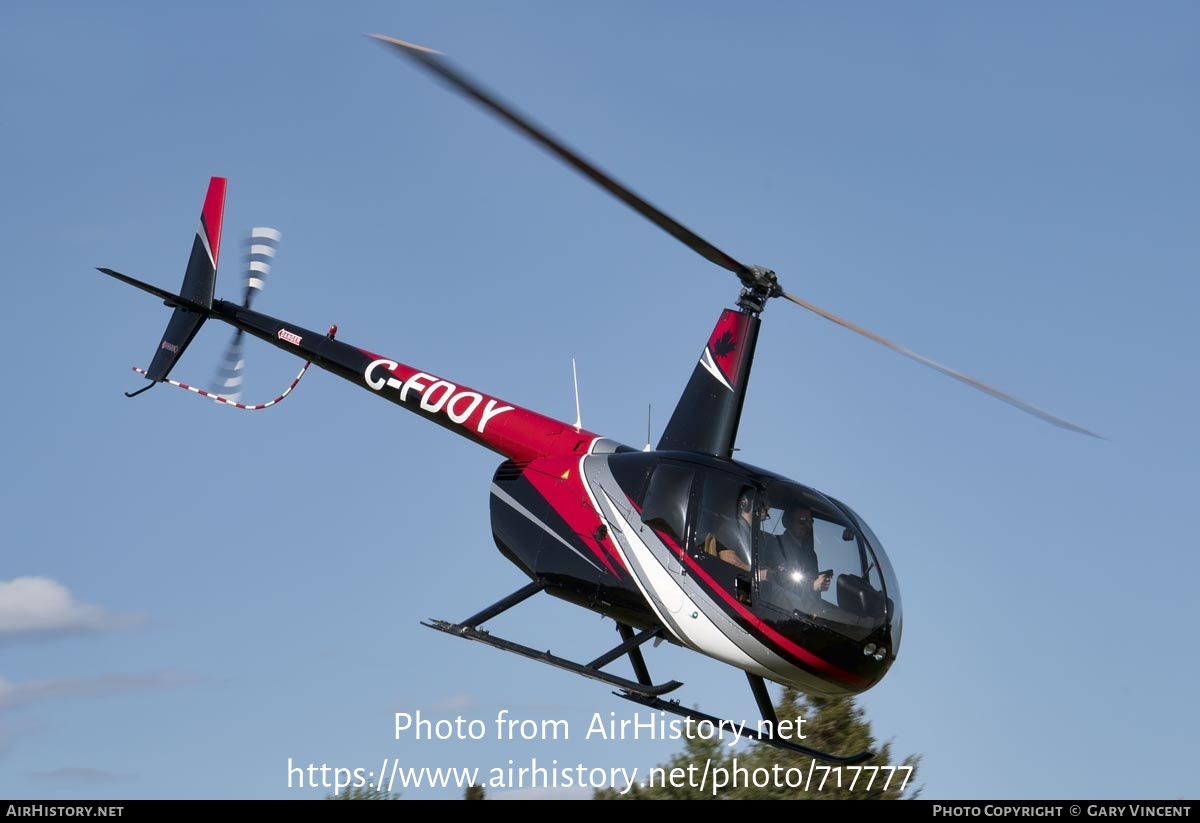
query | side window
[667, 498]
[724, 525]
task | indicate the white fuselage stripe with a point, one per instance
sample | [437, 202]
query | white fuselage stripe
[204, 242]
[695, 629]
[707, 362]
[507, 498]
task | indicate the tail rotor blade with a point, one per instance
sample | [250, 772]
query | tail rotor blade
[230, 375]
[261, 247]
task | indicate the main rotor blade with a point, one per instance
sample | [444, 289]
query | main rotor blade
[436, 63]
[983, 387]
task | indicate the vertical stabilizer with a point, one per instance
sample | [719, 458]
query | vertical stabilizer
[199, 283]
[706, 418]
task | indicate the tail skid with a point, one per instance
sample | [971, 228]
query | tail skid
[220, 398]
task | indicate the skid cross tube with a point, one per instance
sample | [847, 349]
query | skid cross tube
[470, 629]
[519, 596]
[629, 646]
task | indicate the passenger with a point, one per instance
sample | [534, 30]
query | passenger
[736, 535]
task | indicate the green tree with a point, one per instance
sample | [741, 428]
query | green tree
[366, 792]
[836, 725]
[474, 792]
[696, 752]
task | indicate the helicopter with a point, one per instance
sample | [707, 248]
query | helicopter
[680, 543]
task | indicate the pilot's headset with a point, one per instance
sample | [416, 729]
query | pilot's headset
[746, 501]
[747, 505]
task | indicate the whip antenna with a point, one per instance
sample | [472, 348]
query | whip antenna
[575, 378]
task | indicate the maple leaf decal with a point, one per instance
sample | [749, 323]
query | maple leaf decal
[724, 345]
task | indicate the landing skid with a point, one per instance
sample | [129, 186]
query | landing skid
[768, 711]
[643, 690]
[630, 645]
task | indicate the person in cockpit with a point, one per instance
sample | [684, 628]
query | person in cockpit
[796, 561]
[736, 534]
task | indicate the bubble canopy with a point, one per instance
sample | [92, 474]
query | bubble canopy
[801, 565]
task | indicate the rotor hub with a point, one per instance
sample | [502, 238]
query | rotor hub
[759, 285]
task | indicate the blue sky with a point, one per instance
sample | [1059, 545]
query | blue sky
[191, 595]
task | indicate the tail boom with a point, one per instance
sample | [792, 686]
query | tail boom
[505, 428]
[517, 433]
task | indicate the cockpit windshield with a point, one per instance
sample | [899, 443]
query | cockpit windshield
[799, 554]
[883, 565]
[813, 559]
[793, 553]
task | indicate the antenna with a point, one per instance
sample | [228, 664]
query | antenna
[649, 408]
[575, 377]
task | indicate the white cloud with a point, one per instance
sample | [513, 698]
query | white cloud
[39, 605]
[19, 694]
[454, 702]
[75, 776]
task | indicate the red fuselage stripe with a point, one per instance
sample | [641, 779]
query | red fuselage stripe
[757, 625]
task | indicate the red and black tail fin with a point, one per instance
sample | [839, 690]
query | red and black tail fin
[195, 298]
[710, 409]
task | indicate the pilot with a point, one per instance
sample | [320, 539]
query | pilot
[799, 555]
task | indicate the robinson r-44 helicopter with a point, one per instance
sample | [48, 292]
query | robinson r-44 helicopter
[681, 543]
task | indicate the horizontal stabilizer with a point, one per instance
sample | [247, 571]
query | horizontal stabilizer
[169, 298]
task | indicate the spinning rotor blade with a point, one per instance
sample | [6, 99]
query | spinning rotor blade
[983, 387]
[762, 282]
[260, 251]
[261, 246]
[229, 376]
[435, 62]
